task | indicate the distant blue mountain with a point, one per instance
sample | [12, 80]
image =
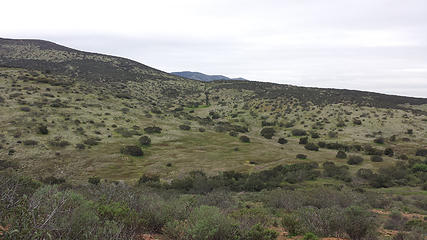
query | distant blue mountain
[203, 77]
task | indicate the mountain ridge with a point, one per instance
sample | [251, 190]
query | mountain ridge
[204, 77]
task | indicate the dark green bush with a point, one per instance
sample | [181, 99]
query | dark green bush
[151, 130]
[354, 159]
[311, 147]
[299, 132]
[301, 156]
[132, 150]
[341, 155]
[94, 180]
[389, 152]
[376, 158]
[379, 140]
[43, 129]
[282, 141]
[268, 132]
[144, 140]
[30, 142]
[303, 140]
[184, 127]
[421, 152]
[258, 232]
[244, 139]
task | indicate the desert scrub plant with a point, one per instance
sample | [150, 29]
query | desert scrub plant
[354, 160]
[244, 139]
[341, 155]
[94, 180]
[282, 141]
[145, 141]
[376, 158]
[42, 129]
[184, 127]
[132, 150]
[298, 132]
[209, 223]
[292, 224]
[268, 132]
[311, 147]
[258, 232]
[152, 130]
[303, 140]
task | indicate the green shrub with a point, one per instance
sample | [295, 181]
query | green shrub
[184, 127]
[376, 158]
[359, 223]
[244, 139]
[421, 152]
[94, 180]
[209, 223]
[258, 232]
[389, 152]
[341, 155]
[144, 140]
[282, 141]
[310, 236]
[311, 147]
[301, 156]
[291, 223]
[43, 129]
[354, 160]
[151, 130]
[268, 132]
[299, 132]
[303, 140]
[379, 140]
[132, 150]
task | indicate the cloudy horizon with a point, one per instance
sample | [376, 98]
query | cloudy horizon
[377, 46]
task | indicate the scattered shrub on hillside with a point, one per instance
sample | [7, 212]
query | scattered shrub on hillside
[314, 135]
[94, 180]
[354, 159]
[389, 152]
[421, 152]
[132, 150]
[30, 142]
[43, 129]
[184, 127]
[202, 130]
[369, 150]
[357, 122]
[359, 223]
[92, 141]
[244, 139]
[376, 158]
[365, 173]
[144, 140]
[341, 155]
[151, 130]
[379, 140]
[337, 172]
[268, 132]
[311, 147]
[303, 140]
[301, 156]
[53, 180]
[299, 132]
[258, 232]
[282, 141]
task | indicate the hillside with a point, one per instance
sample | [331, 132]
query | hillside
[203, 77]
[254, 152]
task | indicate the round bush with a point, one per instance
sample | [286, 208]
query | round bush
[311, 147]
[132, 150]
[184, 127]
[145, 140]
[389, 152]
[303, 140]
[43, 129]
[354, 159]
[268, 132]
[379, 140]
[341, 155]
[282, 141]
[376, 158]
[299, 132]
[301, 156]
[244, 139]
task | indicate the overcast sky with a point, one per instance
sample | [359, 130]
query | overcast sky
[375, 45]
